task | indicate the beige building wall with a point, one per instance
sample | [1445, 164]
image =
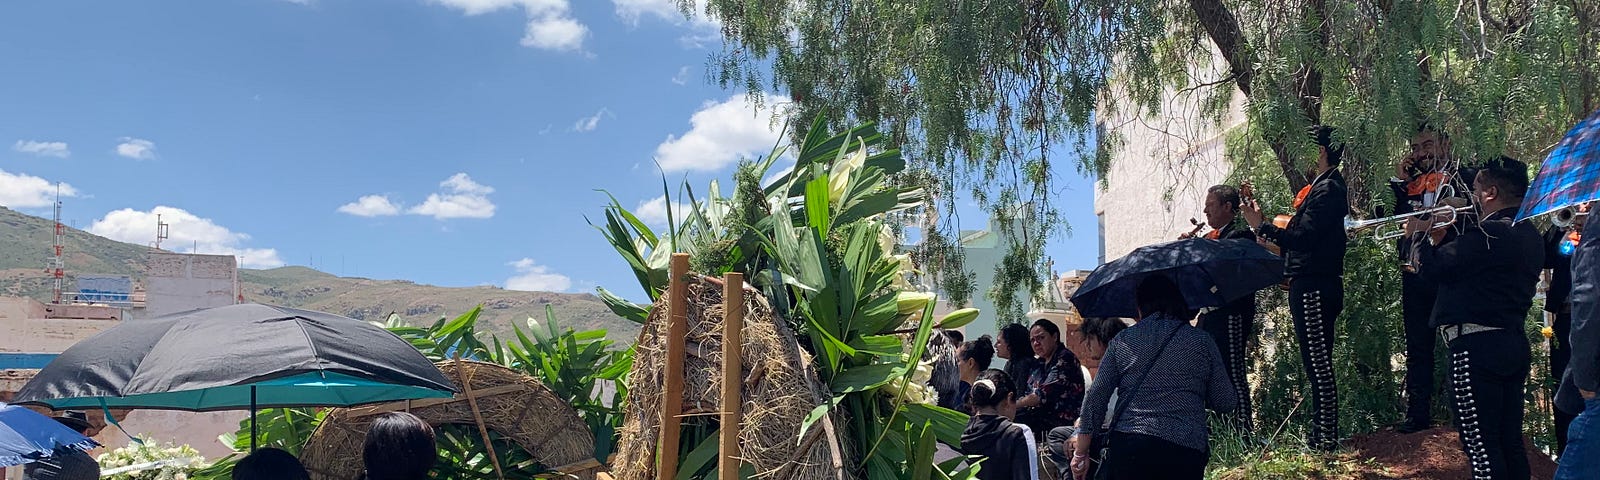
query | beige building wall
[1158, 178]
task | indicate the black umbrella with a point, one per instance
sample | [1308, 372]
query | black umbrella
[237, 357]
[1210, 273]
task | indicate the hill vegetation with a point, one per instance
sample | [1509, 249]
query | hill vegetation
[25, 246]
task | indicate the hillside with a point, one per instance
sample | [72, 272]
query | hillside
[25, 246]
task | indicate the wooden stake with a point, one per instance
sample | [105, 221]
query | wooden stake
[732, 367]
[477, 416]
[677, 331]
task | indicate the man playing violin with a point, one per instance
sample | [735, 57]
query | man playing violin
[1487, 276]
[1231, 325]
[1313, 246]
[1416, 183]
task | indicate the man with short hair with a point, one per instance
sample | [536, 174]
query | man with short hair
[1231, 325]
[1487, 276]
[1314, 244]
[67, 464]
[1416, 185]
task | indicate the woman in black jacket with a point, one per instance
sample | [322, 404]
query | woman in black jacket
[1009, 447]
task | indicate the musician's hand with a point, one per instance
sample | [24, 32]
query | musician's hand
[1251, 211]
[1416, 225]
[1402, 169]
[1185, 236]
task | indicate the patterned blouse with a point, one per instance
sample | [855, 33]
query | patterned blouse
[1059, 384]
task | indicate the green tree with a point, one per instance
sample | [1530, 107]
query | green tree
[982, 94]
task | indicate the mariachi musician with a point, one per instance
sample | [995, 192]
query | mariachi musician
[1313, 244]
[1230, 325]
[1487, 276]
[1418, 180]
[1560, 240]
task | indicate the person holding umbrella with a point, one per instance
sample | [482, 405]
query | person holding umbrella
[1313, 244]
[67, 463]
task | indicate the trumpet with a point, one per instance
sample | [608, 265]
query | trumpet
[1568, 217]
[1393, 226]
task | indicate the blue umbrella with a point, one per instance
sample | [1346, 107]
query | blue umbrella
[1570, 175]
[1210, 273]
[26, 436]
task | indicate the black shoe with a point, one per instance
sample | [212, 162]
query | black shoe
[1412, 426]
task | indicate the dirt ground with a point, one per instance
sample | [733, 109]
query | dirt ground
[1429, 454]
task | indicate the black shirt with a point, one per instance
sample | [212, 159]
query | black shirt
[1242, 306]
[1314, 242]
[1488, 274]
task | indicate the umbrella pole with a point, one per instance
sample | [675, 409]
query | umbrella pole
[252, 419]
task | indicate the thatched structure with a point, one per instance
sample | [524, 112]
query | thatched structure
[779, 390]
[516, 406]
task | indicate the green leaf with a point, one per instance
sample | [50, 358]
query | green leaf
[817, 204]
[922, 461]
[946, 424]
[622, 307]
[865, 377]
[885, 345]
[703, 456]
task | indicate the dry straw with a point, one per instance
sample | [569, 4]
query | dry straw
[780, 389]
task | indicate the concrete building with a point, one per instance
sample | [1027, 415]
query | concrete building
[31, 333]
[1159, 176]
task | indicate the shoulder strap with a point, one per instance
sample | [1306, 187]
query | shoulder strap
[1125, 398]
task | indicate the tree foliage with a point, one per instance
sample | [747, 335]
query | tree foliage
[985, 95]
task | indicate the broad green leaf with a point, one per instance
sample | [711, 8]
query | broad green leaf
[922, 461]
[817, 204]
[703, 456]
[865, 377]
[946, 424]
[885, 345]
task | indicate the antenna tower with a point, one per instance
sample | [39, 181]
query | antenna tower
[161, 231]
[57, 266]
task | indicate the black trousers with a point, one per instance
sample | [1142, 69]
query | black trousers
[1231, 327]
[1315, 303]
[1488, 371]
[1560, 353]
[1416, 306]
[1136, 456]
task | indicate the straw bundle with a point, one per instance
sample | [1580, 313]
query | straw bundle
[779, 390]
[516, 406]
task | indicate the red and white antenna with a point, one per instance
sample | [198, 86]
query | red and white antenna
[57, 266]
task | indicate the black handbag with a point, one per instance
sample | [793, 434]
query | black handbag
[1101, 444]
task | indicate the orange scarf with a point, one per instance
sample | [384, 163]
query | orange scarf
[1215, 234]
[1300, 198]
[1426, 183]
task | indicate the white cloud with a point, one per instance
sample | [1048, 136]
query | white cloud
[702, 30]
[188, 233]
[720, 134]
[589, 123]
[532, 277]
[371, 206]
[653, 212]
[136, 148]
[550, 22]
[43, 149]
[682, 78]
[462, 198]
[20, 190]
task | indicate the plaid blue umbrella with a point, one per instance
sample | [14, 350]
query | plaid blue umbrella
[1570, 175]
[26, 436]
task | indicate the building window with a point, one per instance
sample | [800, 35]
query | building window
[1100, 224]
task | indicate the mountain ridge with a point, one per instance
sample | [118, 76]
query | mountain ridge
[25, 247]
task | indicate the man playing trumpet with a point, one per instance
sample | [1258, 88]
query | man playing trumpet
[1313, 246]
[1230, 325]
[1487, 276]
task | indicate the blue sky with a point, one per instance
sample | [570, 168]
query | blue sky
[448, 142]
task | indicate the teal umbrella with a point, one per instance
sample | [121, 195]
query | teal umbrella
[237, 357]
